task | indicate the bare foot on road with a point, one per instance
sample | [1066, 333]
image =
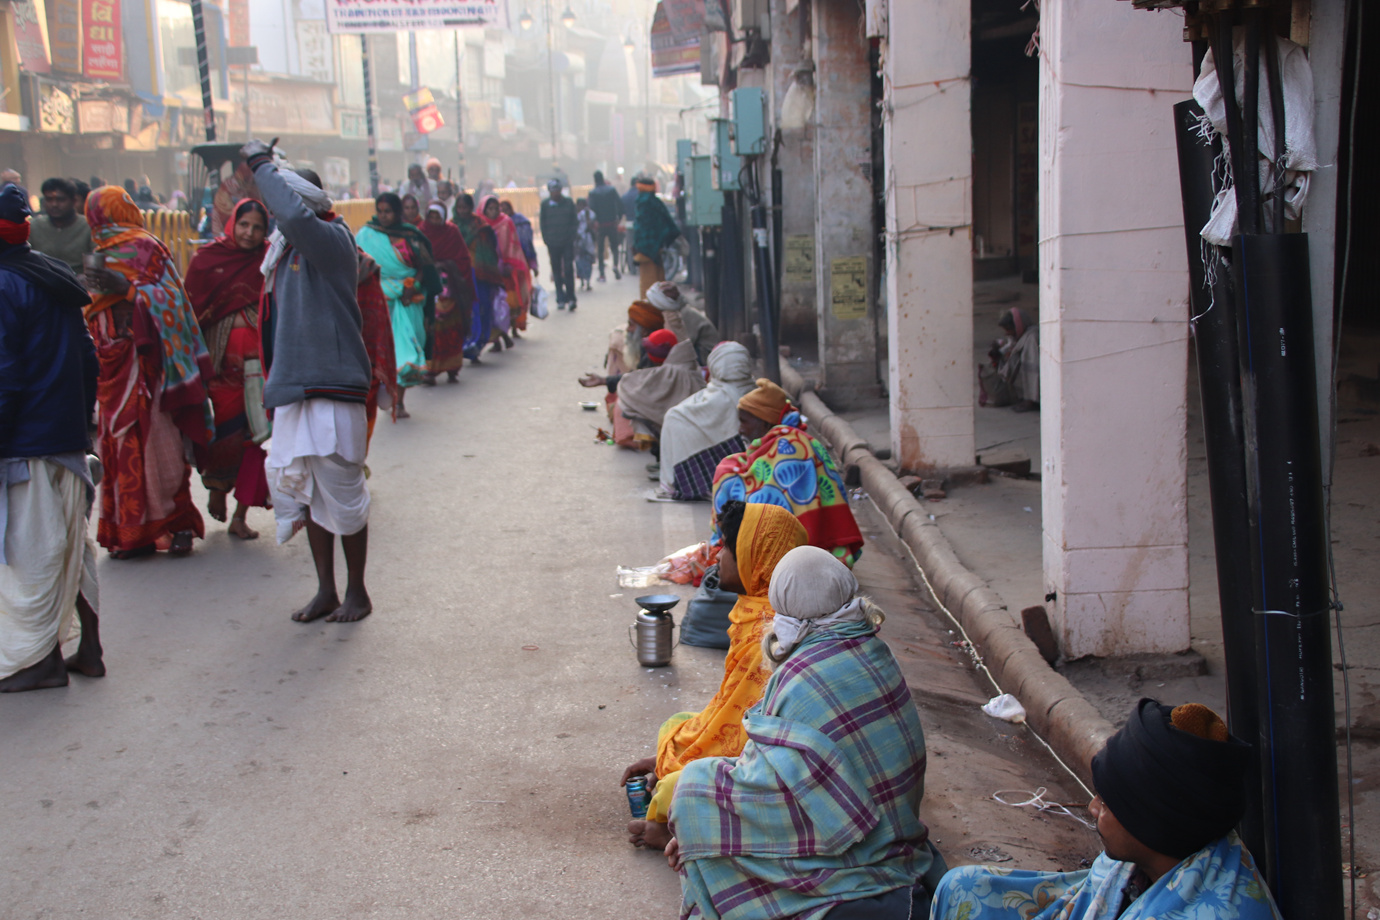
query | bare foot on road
[320, 605]
[215, 505]
[651, 834]
[356, 607]
[45, 675]
[238, 528]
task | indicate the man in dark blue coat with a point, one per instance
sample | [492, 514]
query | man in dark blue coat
[559, 222]
[48, 374]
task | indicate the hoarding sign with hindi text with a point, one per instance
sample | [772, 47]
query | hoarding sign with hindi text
[354, 16]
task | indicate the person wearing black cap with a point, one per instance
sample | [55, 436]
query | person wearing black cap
[1170, 789]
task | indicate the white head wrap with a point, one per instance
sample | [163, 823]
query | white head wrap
[810, 590]
[316, 200]
[730, 363]
[658, 295]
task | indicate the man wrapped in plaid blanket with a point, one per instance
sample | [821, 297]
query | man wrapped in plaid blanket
[819, 815]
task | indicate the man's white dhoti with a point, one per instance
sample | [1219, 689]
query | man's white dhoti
[50, 560]
[316, 463]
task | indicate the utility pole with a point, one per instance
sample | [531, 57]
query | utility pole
[459, 111]
[551, 73]
[369, 117]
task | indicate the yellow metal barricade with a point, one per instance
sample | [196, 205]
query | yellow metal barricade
[174, 228]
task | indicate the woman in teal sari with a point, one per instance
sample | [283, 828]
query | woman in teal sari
[410, 280]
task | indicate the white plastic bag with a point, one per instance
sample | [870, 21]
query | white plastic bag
[501, 311]
[1005, 707]
[540, 309]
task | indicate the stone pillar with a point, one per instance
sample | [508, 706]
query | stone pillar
[929, 229]
[1113, 328]
[792, 74]
[843, 201]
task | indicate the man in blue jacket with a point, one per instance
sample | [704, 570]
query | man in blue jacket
[48, 375]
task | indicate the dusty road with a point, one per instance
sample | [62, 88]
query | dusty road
[456, 754]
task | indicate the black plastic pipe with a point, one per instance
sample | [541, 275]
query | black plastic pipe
[1248, 180]
[1213, 305]
[766, 294]
[731, 307]
[1277, 116]
[1303, 854]
[709, 261]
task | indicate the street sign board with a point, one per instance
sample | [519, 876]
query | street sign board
[357, 16]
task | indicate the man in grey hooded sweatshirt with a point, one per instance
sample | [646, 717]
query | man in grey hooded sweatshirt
[318, 377]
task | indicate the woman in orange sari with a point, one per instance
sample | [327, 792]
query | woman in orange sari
[151, 394]
[756, 537]
[518, 287]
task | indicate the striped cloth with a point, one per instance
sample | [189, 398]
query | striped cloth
[822, 805]
[694, 476]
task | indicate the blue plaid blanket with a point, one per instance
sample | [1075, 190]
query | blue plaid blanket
[823, 804]
[1219, 882]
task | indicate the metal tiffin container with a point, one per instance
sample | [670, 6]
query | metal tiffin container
[650, 635]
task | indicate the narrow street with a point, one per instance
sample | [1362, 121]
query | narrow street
[457, 753]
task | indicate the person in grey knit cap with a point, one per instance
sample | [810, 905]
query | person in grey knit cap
[318, 377]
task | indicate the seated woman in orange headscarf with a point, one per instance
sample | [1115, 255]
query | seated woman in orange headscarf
[755, 539]
[786, 466]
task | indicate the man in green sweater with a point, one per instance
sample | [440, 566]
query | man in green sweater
[60, 231]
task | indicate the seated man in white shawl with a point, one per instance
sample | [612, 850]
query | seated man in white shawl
[703, 334]
[703, 429]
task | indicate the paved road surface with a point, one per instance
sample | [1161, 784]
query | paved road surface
[456, 754]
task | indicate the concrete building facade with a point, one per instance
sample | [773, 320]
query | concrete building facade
[1039, 145]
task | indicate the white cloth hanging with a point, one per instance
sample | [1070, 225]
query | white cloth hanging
[1300, 148]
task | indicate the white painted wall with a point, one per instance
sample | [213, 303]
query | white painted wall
[1113, 327]
[929, 226]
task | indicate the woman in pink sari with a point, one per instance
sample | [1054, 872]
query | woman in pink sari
[518, 287]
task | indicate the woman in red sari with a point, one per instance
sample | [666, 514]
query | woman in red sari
[151, 394]
[518, 287]
[452, 321]
[224, 284]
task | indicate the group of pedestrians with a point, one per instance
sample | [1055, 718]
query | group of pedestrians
[264, 369]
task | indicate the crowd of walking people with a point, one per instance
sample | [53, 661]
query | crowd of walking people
[797, 791]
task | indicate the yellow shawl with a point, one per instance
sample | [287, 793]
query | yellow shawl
[768, 533]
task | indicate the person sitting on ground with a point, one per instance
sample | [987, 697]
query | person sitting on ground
[646, 395]
[318, 382]
[48, 374]
[1014, 376]
[818, 817]
[61, 231]
[703, 429]
[784, 465]
[667, 298]
[756, 537]
[1171, 785]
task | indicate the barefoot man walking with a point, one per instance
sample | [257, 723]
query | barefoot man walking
[47, 391]
[317, 384]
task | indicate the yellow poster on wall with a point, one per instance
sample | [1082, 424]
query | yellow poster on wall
[798, 266]
[848, 287]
